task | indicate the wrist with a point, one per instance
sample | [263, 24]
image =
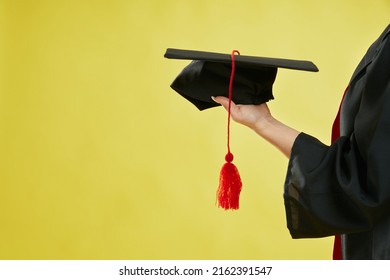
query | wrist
[264, 124]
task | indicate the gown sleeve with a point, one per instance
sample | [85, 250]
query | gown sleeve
[345, 187]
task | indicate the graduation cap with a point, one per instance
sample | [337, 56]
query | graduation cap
[213, 74]
[208, 75]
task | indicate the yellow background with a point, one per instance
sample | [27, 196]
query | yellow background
[100, 159]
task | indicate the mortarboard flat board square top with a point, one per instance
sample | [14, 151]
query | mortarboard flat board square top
[208, 75]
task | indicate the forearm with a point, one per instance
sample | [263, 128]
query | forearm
[278, 134]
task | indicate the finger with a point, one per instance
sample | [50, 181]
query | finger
[224, 101]
[235, 110]
[220, 99]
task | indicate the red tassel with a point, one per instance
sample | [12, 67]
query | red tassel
[229, 189]
[230, 185]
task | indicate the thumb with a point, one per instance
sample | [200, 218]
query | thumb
[224, 101]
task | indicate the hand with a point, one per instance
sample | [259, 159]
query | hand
[253, 116]
[259, 118]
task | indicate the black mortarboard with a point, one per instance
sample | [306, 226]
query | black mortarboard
[208, 75]
[244, 80]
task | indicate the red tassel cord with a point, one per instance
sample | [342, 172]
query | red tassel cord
[230, 184]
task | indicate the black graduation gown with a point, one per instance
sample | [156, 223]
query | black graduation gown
[344, 188]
